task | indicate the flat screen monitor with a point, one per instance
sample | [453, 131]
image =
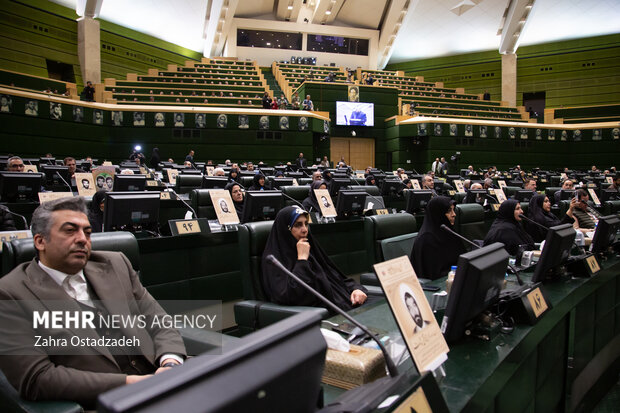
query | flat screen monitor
[475, 196]
[277, 368]
[20, 186]
[477, 284]
[214, 182]
[51, 174]
[336, 184]
[392, 187]
[295, 175]
[355, 114]
[131, 211]
[566, 194]
[267, 171]
[556, 251]
[609, 195]
[47, 161]
[280, 182]
[605, 233]
[261, 205]
[129, 183]
[350, 203]
[416, 200]
[188, 171]
[524, 195]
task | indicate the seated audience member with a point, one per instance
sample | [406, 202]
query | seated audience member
[429, 183]
[325, 162]
[507, 229]
[219, 172]
[370, 180]
[470, 170]
[95, 211]
[476, 185]
[467, 184]
[529, 184]
[15, 164]
[69, 162]
[327, 177]
[307, 103]
[6, 220]
[233, 175]
[408, 183]
[566, 184]
[311, 203]
[615, 186]
[436, 250]
[317, 176]
[66, 270]
[236, 193]
[259, 184]
[586, 217]
[488, 184]
[540, 211]
[292, 244]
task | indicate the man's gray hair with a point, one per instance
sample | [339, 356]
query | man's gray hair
[13, 158]
[42, 216]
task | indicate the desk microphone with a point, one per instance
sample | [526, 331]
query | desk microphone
[183, 201]
[544, 227]
[512, 267]
[294, 200]
[65, 182]
[388, 360]
[17, 215]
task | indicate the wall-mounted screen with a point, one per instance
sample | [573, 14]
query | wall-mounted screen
[355, 114]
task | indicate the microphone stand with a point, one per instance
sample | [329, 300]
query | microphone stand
[65, 182]
[388, 360]
[546, 229]
[512, 268]
[183, 201]
[18, 215]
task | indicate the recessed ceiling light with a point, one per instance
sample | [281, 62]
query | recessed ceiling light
[290, 7]
[328, 12]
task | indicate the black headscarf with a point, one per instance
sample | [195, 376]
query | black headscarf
[231, 178]
[256, 186]
[318, 271]
[369, 180]
[311, 203]
[537, 213]
[436, 250]
[327, 176]
[155, 158]
[95, 214]
[507, 230]
[238, 204]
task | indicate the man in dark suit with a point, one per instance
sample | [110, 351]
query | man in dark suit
[66, 276]
[301, 161]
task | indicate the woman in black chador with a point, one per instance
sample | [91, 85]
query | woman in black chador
[95, 211]
[259, 183]
[436, 250]
[311, 203]
[292, 244]
[540, 211]
[507, 229]
[236, 194]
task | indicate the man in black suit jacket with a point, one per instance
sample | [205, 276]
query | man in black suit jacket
[66, 276]
[301, 161]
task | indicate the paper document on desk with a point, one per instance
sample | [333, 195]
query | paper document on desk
[413, 313]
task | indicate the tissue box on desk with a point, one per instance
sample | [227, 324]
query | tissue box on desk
[347, 370]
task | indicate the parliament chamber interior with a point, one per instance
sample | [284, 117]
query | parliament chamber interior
[343, 205]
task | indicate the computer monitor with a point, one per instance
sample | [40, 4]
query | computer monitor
[280, 182]
[277, 368]
[129, 183]
[131, 211]
[51, 174]
[350, 203]
[214, 182]
[608, 194]
[336, 184]
[190, 171]
[605, 233]
[267, 171]
[556, 251]
[475, 196]
[524, 195]
[20, 186]
[296, 175]
[392, 187]
[261, 205]
[416, 200]
[477, 284]
[566, 194]
[47, 161]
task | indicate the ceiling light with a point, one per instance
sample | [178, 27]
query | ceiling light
[328, 12]
[290, 7]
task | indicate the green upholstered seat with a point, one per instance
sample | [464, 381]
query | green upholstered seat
[459, 197]
[299, 193]
[246, 181]
[187, 183]
[611, 207]
[369, 189]
[200, 200]
[469, 221]
[510, 191]
[550, 192]
[378, 228]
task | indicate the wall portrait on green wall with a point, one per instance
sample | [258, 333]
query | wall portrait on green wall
[179, 120]
[498, 132]
[6, 104]
[523, 133]
[577, 135]
[615, 133]
[160, 120]
[303, 123]
[538, 134]
[453, 129]
[117, 118]
[469, 130]
[55, 111]
[98, 117]
[78, 114]
[597, 134]
[200, 120]
[284, 122]
[32, 108]
[244, 122]
[438, 129]
[512, 133]
[222, 121]
[551, 134]
[483, 131]
[564, 135]
[138, 119]
[263, 122]
[421, 129]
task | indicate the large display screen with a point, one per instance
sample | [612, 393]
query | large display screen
[355, 114]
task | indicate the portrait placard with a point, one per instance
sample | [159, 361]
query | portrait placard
[324, 200]
[104, 177]
[360, 175]
[500, 195]
[210, 170]
[413, 314]
[30, 168]
[172, 176]
[52, 196]
[415, 184]
[224, 207]
[502, 183]
[85, 184]
[594, 197]
[8, 236]
[609, 179]
[354, 93]
[459, 186]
